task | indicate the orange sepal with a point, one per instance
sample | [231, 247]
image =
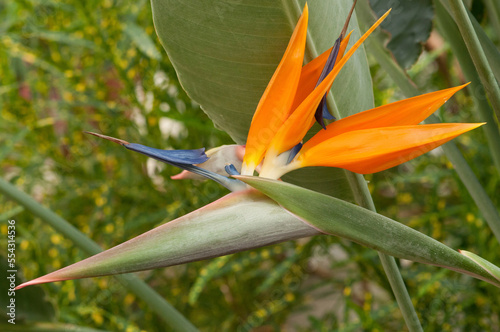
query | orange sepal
[409, 111]
[311, 72]
[374, 150]
[296, 126]
[275, 104]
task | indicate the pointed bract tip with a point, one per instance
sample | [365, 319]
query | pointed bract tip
[460, 87]
[109, 138]
[25, 284]
[38, 281]
[456, 88]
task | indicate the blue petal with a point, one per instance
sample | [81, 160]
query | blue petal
[322, 110]
[293, 152]
[326, 113]
[229, 183]
[190, 157]
[231, 170]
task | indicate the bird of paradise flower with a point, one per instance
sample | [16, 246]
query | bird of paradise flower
[367, 142]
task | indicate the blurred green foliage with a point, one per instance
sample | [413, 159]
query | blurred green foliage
[97, 65]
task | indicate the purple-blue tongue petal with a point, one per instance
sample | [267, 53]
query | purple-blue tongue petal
[231, 170]
[322, 110]
[293, 152]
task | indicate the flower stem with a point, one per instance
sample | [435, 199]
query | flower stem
[477, 54]
[363, 198]
[449, 30]
[490, 50]
[158, 304]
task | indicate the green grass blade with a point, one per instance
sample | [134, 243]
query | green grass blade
[142, 40]
[46, 327]
[164, 309]
[11, 213]
[208, 272]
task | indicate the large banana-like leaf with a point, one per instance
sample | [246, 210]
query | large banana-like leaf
[248, 219]
[225, 52]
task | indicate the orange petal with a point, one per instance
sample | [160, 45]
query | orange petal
[311, 72]
[409, 111]
[275, 104]
[301, 120]
[374, 150]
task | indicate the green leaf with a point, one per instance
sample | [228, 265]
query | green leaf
[236, 222]
[409, 25]
[46, 327]
[225, 52]
[64, 38]
[489, 48]
[340, 218]
[492, 269]
[11, 213]
[206, 274]
[142, 40]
